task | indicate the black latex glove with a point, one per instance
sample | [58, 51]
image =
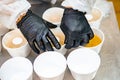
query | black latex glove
[37, 32]
[76, 28]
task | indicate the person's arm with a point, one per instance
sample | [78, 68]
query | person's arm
[80, 5]
[74, 23]
[37, 32]
[10, 11]
[34, 28]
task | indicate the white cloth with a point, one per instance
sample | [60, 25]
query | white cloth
[81, 5]
[10, 10]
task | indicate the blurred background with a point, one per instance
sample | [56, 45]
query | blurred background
[117, 9]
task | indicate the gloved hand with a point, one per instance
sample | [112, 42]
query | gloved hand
[37, 32]
[76, 28]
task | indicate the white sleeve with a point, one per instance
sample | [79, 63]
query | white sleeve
[10, 10]
[81, 5]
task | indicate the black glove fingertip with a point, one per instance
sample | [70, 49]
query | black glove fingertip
[76, 43]
[32, 45]
[54, 40]
[83, 43]
[68, 46]
[47, 44]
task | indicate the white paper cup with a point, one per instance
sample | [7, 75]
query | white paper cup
[17, 68]
[60, 37]
[15, 43]
[97, 47]
[83, 63]
[95, 17]
[50, 65]
[53, 15]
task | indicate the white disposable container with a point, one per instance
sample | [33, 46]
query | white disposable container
[95, 17]
[17, 68]
[50, 65]
[97, 48]
[15, 43]
[83, 63]
[53, 15]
